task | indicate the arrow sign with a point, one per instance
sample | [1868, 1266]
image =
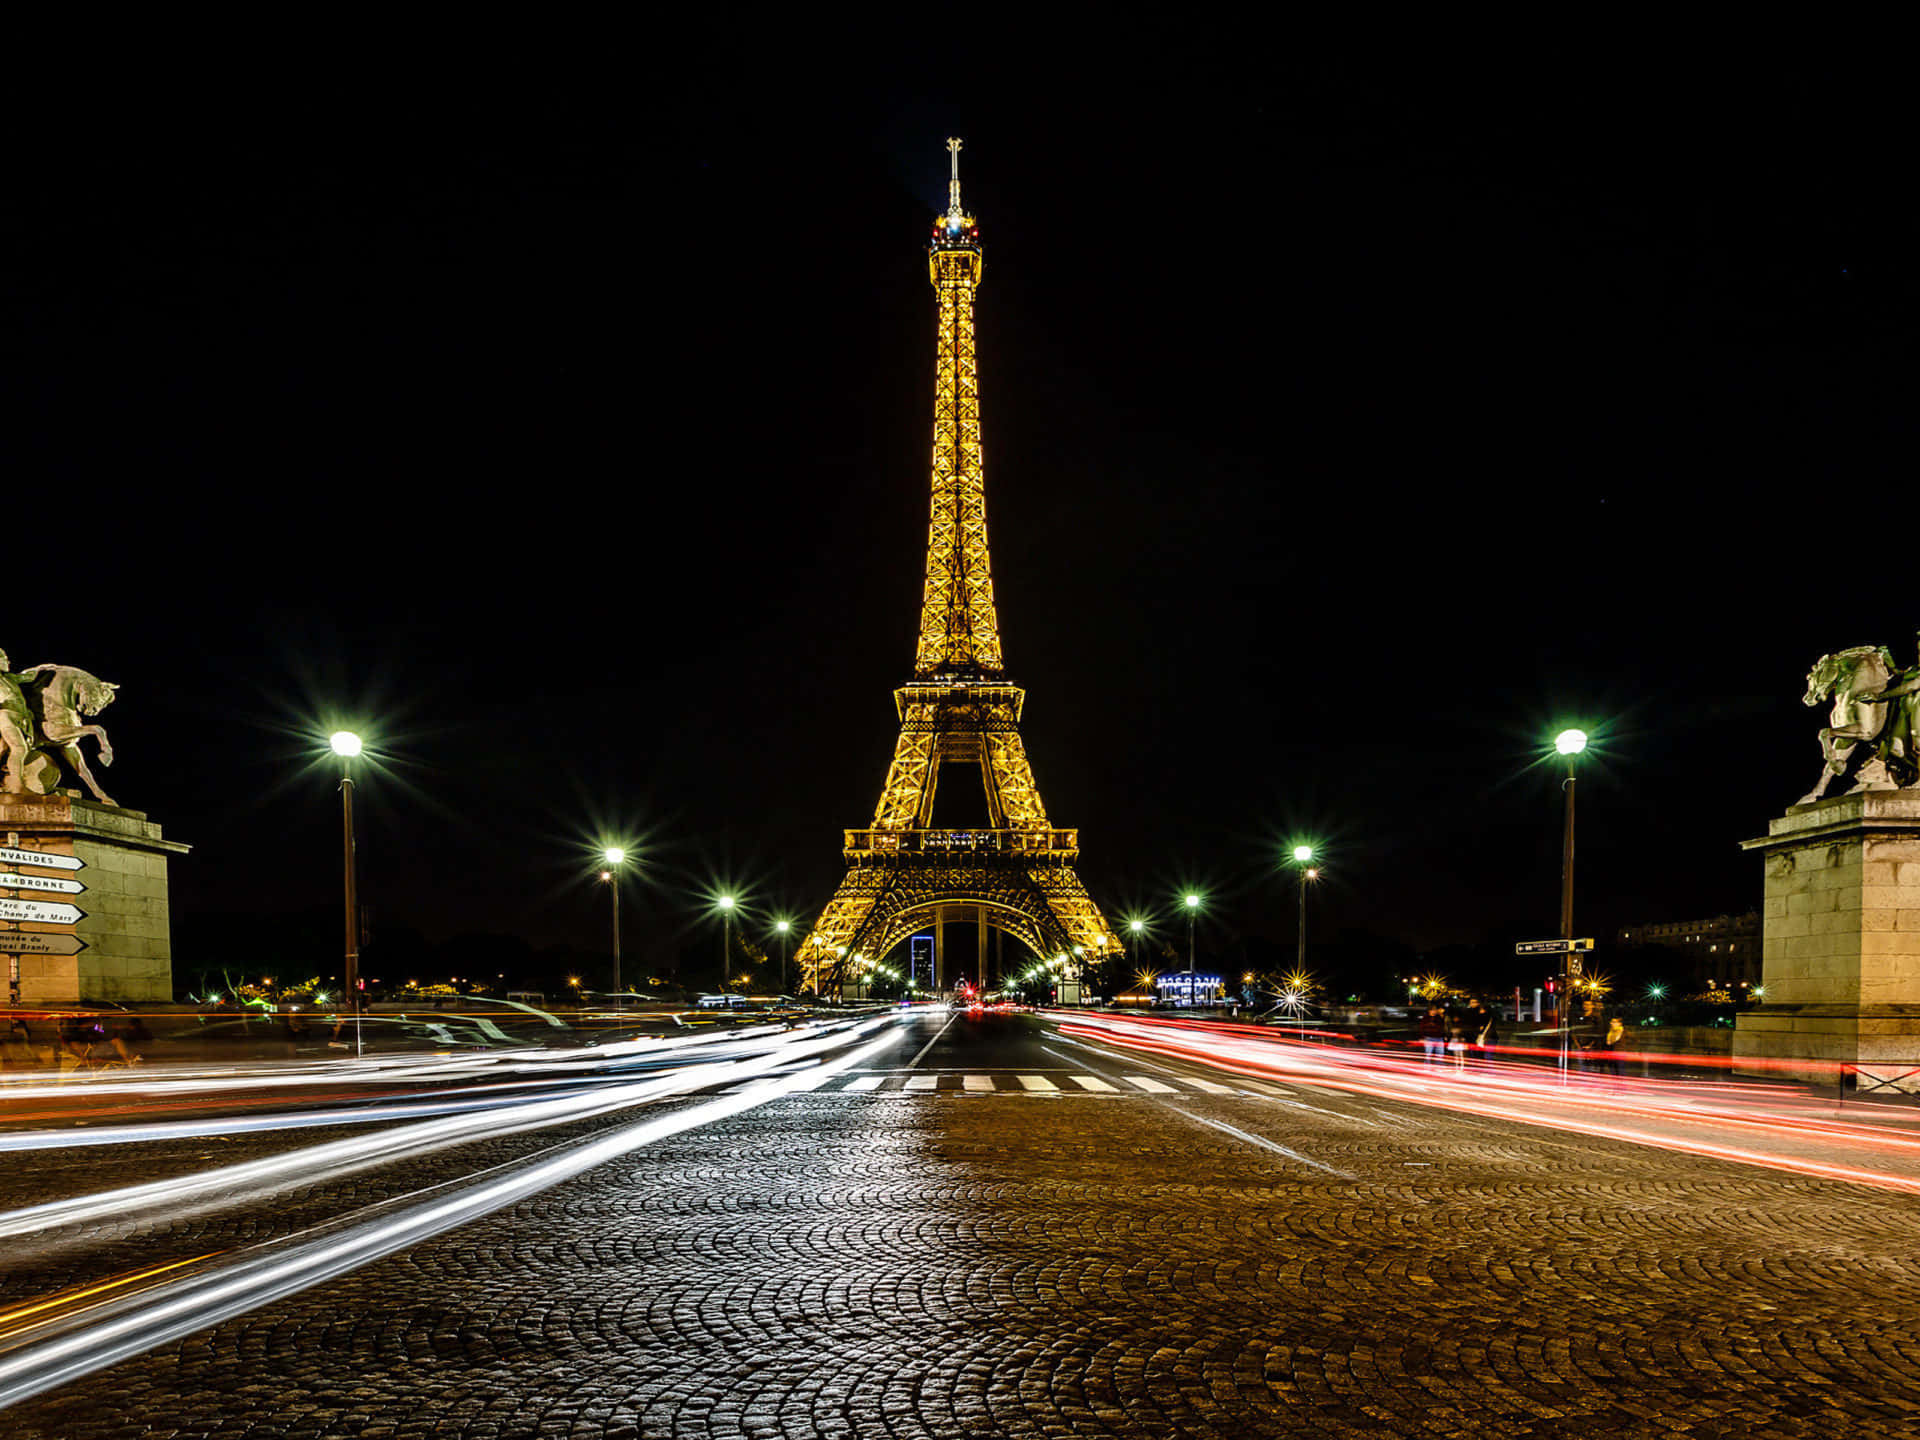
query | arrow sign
[40, 882]
[21, 943]
[40, 912]
[43, 860]
[1525, 947]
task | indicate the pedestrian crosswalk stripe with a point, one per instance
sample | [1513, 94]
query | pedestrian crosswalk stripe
[947, 1082]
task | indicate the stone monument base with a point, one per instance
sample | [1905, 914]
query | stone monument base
[1840, 944]
[126, 950]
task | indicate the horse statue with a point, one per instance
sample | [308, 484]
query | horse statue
[1873, 706]
[46, 708]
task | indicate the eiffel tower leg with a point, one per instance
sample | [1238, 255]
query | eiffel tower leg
[980, 946]
[939, 948]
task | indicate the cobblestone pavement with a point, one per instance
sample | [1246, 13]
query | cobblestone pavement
[954, 1262]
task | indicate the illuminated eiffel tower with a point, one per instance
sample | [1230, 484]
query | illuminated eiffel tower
[1016, 874]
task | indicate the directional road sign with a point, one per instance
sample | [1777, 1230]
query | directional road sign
[20, 942]
[42, 859]
[1525, 947]
[40, 882]
[40, 912]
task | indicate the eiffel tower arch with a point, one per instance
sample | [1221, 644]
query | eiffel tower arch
[959, 712]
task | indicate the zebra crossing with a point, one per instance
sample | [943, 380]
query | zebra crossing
[1018, 1083]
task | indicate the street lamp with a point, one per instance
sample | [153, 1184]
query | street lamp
[1193, 908]
[615, 858]
[346, 745]
[1303, 861]
[1569, 743]
[726, 942]
[781, 927]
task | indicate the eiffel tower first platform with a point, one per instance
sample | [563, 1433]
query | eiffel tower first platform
[1016, 875]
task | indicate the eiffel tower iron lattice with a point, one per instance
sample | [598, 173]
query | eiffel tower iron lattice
[1017, 873]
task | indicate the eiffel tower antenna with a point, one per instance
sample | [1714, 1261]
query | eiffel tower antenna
[953, 185]
[958, 709]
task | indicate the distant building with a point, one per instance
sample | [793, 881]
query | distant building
[1723, 951]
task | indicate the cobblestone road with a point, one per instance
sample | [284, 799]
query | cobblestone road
[960, 1261]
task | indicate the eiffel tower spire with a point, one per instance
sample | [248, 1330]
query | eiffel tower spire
[959, 711]
[959, 631]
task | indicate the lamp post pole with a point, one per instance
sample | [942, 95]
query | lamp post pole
[346, 745]
[615, 858]
[1193, 908]
[726, 944]
[786, 948]
[1302, 859]
[1569, 743]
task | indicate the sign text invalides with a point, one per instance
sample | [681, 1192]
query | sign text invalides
[19, 942]
[40, 912]
[40, 882]
[41, 858]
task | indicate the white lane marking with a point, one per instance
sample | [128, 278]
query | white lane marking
[922, 1082]
[933, 1042]
[1090, 1082]
[813, 1082]
[1209, 1087]
[977, 1082]
[1037, 1082]
[868, 1082]
[1265, 1144]
[1150, 1085]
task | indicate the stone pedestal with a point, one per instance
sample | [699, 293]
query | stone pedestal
[128, 952]
[1840, 942]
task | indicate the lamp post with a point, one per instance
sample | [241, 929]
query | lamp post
[781, 927]
[726, 943]
[1193, 908]
[615, 858]
[1303, 859]
[1569, 743]
[346, 745]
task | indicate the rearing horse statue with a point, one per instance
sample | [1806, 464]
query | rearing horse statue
[1864, 713]
[61, 703]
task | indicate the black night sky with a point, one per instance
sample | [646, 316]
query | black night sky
[1345, 436]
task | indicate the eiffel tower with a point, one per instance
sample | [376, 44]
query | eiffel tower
[1016, 874]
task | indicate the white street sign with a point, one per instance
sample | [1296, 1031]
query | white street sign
[40, 882]
[20, 942]
[40, 912]
[42, 859]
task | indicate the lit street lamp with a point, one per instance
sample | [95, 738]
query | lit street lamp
[1193, 908]
[346, 745]
[1569, 743]
[615, 858]
[1303, 860]
[781, 927]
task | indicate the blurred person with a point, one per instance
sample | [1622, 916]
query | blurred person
[1485, 1025]
[1433, 1035]
[79, 1033]
[130, 1040]
[1457, 1039]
